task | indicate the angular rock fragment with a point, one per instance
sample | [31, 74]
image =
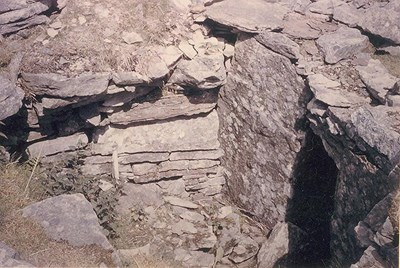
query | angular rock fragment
[248, 16]
[58, 145]
[11, 98]
[244, 250]
[70, 218]
[280, 44]
[347, 14]
[298, 26]
[137, 196]
[377, 79]
[119, 99]
[202, 72]
[284, 238]
[129, 79]
[330, 92]
[342, 44]
[55, 85]
[176, 201]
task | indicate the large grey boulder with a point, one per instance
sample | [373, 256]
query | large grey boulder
[383, 21]
[342, 44]
[285, 239]
[248, 16]
[69, 218]
[258, 110]
[11, 98]
[30, 10]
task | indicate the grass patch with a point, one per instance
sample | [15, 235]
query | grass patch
[28, 237]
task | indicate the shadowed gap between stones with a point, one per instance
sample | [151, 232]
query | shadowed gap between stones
[312, 205]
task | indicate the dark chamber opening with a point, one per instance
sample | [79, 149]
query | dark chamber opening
[312, 203]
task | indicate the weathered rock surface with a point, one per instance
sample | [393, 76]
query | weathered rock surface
[11, 98]
[167, 107]
[20, 14]
[286, 239]
[254, 16]
[280, 44]
[383, 21]
[9, 257]
[69, 218]
[56, 85]
[58, 145]
[377, 79]
[331, 93]
[258, 136]
[202, 72]
[342, 44]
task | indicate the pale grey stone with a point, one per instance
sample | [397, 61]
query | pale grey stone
[166, 107]
[11, 98]
[195, 155]
[176, 201]
[119, 99]
[30, 10]
[342, 44]
[137, 196]
[347, 14]
[58, 145]
[131, 38]
[129, 79]
[377, 79]
[383, 21]
[298, 26]
[188, 50]
[143, 157]
[23, 24]
[179, 135]
[259, 107]
[10, 5]
[246, 248]
[330, 92]
[280, 44]
[202, 72]
[69, 218]
[183, 227]
[284, 237]
[371, 258]
[55, 85]
[248, 16]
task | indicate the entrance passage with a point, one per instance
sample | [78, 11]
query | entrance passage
[312, 204]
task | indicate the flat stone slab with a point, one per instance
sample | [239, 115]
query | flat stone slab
[331, 93]
[58, 145]
[69, 218]
[248, 16]
[176, 201]
[199, 133]
[280, 44]
[167, 107]
[55, 85]
[342, 44]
